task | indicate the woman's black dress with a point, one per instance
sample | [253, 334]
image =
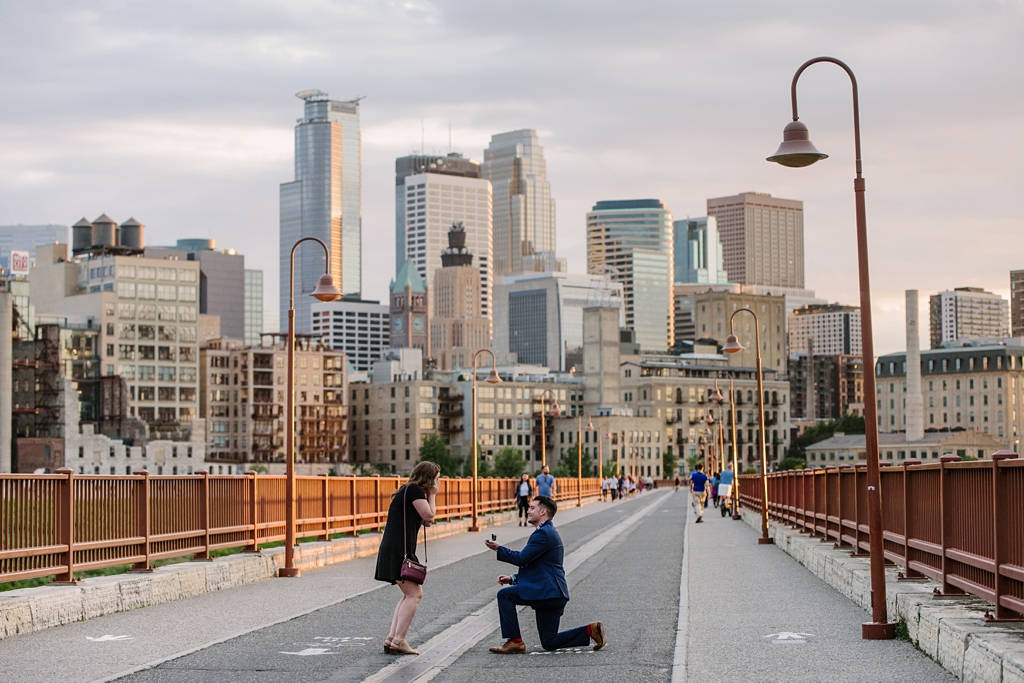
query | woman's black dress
[391, 553]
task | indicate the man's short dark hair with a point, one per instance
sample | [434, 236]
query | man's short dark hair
[548, 505]
[700, 466]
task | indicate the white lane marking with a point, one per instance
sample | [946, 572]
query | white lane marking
[683, 619]
[789, 638]
[108, 638]
[447, 646]
[309, 651]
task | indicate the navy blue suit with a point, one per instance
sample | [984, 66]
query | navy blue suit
[540, 583]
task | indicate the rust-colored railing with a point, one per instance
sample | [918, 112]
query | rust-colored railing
[959, 523]
[59, 524]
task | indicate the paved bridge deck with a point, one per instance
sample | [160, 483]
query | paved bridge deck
[679, 601]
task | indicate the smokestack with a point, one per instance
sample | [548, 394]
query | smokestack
[915, 402]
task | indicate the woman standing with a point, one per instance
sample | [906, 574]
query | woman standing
[524, 492]
[412, 506]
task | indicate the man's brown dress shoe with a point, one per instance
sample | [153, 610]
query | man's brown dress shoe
[510, 648]
[597, 633]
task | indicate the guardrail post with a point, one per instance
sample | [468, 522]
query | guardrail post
[204, 508]
[66, 525]
[840, 542]
[376, 496]
[142, 516]
[908, 574]
[353, 504]
[253, 511]
[947, 524]
[824, 497]
[327, 506]
[857, 550]
[999, 533]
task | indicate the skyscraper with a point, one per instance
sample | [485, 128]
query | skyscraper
[631, 241]
[698, 257]
[1017, 303]
[524, 213]
[432, 195]
[324, 201]
[967, 313]
[762, 238]
[539, 316]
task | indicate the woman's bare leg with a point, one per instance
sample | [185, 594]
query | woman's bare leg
[411, 595]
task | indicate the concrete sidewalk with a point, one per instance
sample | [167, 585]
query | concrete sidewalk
[756, 614]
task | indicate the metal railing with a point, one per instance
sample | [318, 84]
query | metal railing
[958, 523]
[60, 524]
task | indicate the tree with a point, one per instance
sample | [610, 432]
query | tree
[435, 450]
[509, 462]
[791, 463]
[668, 463]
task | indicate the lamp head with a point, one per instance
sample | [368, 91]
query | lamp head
[325, 289]
[555, 408]
[796, 149]
[493, 377]
[732, 344]
[716, 394]
[590, 426]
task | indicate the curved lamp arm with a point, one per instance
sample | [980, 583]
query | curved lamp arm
[856, 101]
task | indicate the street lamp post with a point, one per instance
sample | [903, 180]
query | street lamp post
[324, 291]
[735, 449]
[709, 429]
[492, 378]
[555, 410]
[732, 345]
[796, 151]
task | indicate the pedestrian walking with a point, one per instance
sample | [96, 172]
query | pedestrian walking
[698, 491]
[613, 487]
[604, 488]
[412, 506]
[539, 584]
[677, 482]
[546, 484]
[714, 489]
[524, 492]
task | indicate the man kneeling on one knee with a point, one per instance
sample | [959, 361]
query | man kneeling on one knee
[540, 584]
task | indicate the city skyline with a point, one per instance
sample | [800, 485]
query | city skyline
[200, 130]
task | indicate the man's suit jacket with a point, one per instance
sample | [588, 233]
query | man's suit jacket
[541, 575]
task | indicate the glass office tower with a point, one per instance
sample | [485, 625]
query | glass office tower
[324, 201]
[631, 241]
[524, 213]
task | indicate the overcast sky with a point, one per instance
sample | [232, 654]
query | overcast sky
[181, 114]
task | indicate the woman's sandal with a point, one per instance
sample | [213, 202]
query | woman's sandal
[400, 647]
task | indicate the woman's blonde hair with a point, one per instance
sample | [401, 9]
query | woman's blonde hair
[424, 473]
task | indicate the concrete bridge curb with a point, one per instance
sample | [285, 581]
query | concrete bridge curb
[949, 630]
[27, 610]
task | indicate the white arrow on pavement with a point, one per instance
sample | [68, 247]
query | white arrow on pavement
[107, 638]
[309, 651]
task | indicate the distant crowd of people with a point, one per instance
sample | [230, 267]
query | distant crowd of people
[617, 487]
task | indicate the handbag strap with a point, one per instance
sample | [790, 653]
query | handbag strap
[405, 527]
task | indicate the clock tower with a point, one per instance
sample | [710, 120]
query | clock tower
[410, 311]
